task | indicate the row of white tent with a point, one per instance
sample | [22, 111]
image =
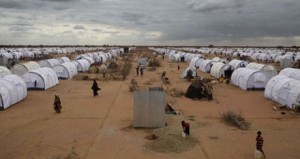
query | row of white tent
[37, 75]
[282, 88]
[32, 52]
[285, 87]
[267, 55]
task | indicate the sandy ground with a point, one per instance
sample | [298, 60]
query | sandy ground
[100, 127]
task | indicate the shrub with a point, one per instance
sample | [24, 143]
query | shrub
[237, 120]
[125, 70]
[154, 63]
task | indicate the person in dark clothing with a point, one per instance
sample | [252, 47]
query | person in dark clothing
[104, 73]
[142, 70]
[57, 103]
[186, 127]
[178, 67]
[137, 70]
[259, 143]
[95, 88]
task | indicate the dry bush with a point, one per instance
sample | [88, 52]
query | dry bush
[154, 63]
[133, 85]
[125, 70]
[237, 120]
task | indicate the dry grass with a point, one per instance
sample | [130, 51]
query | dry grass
[237, 120]
[165, 140]
[176, 93]
[71, 155]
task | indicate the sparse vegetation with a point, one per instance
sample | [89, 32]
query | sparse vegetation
[176, 93]
[154, 63]
[125, 69]
[71, 155]
[237, 120]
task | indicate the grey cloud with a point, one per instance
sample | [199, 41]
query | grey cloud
[214, 5]
[78, 27]
[97, 30]
[132, 17]
[11, 4]
[61, 1]
[21, 29]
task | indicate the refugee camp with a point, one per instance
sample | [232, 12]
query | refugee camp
[88, 79]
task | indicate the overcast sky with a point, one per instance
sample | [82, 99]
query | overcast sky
[150, 22]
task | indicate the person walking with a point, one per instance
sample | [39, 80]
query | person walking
[259, 143]
[57, 103]
[137, 70]
[142, 70]
[95, 88]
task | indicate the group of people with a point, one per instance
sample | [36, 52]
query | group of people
[57, 103]
[259, 139]
[140, 70]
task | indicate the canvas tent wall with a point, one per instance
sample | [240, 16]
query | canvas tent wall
[82, 65]
[237, 63]
[65, 70]
[283, 90]
[17, 55]
[21, 68]
[216, 59]
[49, 63]
[206, 65]
[195, 62]
[41, 78]
[4, 71]
[12, 90]
[142, 61]
[293, 73]
[269, 70]
[217, 70]
[184, 73]
[63, 60]
[89, 59]
[248, 79]
[6, 55]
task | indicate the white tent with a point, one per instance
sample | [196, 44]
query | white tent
[293, 73]
[4, 71]
[205, 66]
[21, 68]
[89, 59]
[12, 90]
[142, 61]
[17, 55]
[217, 70]
[184, 73]
[27, 54]
[49, 63]
[283, 90]
[269, 70]
[63, 60]
[195, 62]
[248, 79]
[6, 55]
[65, 70]
[216, 59]
[237, 63]
[82, 65]
[41, 78]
